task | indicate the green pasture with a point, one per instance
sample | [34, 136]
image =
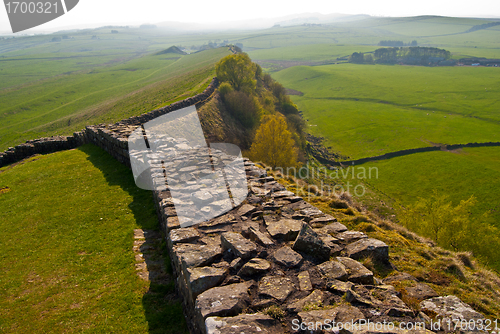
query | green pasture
[68, 102]
[66, 253]
[367, 110]
[460, 174]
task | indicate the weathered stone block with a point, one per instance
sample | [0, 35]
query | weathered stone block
[358, 273]
[286, 229]
[333, 270]
[287, 257]
[370, 247]
[204, 278]
[254, 267]
[240, 246]
[259, 237]
[257, 323]
[228, 300]
[276, 287]
[310, 243]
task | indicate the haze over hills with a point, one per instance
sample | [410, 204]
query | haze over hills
[249, 24]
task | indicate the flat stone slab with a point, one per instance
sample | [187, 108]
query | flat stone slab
[276, 287]
[450, 308]
[351, 236]
[333, 270]
[281, 194]
[286, 229]
[370, 247]
[399, 277]
[254, 267]
[421, 291]
[287, 257]
[258, 236]
[204, 278]
[228, 300]
[194, 255]
[183, 235]
[257, 323]
[310, 243]
[240, 246]
[246, 209]
[321, 221]
[305, 283]
[358, 273]
[334, 228]
[335, 285]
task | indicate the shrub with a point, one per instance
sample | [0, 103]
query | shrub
[243, 107]
[225, 88]
[274, 312]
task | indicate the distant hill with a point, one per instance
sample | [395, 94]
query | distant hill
[172, 49]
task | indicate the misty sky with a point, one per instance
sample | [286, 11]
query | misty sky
[94, 12]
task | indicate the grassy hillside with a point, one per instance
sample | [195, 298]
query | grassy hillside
[367, 110]
[66, 103]
[67, 262]
[460, 174]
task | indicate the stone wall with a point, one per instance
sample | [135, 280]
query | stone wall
[276, 261]
[401, 153]
[110, 137]
[273, 262]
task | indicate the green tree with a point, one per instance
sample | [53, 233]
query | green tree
[357, 58]
[435, 217]
[273, 143]
[244, 107]
[368, 59]
[238, 70]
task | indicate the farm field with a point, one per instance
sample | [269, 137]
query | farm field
[460, 174]
[67, 256]
[368, 110]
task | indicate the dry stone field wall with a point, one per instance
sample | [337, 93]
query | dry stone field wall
[274, 263]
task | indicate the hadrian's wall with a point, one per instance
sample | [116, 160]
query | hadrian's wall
[110, 137]
[274, 263]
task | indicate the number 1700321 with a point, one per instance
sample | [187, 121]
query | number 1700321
[15, 7]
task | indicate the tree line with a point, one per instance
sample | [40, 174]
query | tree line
[483, 26]
[264, 109]
[406, 55]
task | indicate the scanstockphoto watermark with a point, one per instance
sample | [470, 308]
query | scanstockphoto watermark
[334, 181]
[329, 325]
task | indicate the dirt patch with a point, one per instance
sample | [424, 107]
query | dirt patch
[290, 91]
[457, 151]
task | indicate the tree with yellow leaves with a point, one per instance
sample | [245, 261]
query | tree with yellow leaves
[273, 143]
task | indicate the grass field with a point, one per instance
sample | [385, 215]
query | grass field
[68, 102]
[66, 249]
[460, 174]
[367, 110]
